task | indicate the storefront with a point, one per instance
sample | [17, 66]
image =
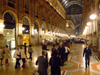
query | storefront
[9, 31]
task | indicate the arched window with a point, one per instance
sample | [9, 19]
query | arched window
[43, 27]
[26, 26]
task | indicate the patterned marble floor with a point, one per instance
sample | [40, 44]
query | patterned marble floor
[74, 66]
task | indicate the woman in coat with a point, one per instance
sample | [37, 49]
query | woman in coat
[7, 54]
[17, 55]
[55, 63]
[23, 56]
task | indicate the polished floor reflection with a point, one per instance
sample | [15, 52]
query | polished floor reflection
[74, 66]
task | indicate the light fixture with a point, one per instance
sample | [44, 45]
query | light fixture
[93, 16]
[23, 28]
[89, 23]
[67, 25]
[7, 33]
[26, 30]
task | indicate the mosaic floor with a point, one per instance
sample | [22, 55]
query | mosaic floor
[74, 66]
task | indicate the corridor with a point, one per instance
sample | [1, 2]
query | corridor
[74, 66]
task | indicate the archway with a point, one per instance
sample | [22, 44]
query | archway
[26, 30]
[9, 30]
[43, 28]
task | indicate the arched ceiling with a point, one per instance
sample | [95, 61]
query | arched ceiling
[77, 20]
[73, 10]
[72, 7]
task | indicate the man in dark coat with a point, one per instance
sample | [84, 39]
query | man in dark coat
[43, 63]
[55, 63]
[87, 53]
[44, 47]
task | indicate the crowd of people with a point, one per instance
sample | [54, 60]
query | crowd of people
[20, 54]
[58, 57]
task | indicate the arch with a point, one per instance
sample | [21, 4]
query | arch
[37, 22]
[26, 18]
[12, 12]
[73, 2]
[43, 26]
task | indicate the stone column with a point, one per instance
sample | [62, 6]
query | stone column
[40, 36]
[32, 34]
[20, 36]
[1, 33]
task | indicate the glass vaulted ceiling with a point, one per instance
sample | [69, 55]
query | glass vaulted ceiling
[71, 6]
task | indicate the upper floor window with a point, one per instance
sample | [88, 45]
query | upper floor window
[43, 15]
[11, 3]
[36, 11]
[27, 4]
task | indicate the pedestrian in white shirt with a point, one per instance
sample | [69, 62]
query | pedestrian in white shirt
[17, 55]
[67, 51]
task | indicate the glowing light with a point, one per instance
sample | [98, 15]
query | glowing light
[93, 16]
[7, 33]
[89, 23]
[85, 30]
[35, 30]
[26, 30]
[23, 28]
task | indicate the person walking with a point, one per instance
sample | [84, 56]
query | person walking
[44, 47]
[7, 54]
[43, 63]
[55, 63]
[30, 51]
[23, 56]
[62, 55]
[25, 48]
[1, 55]
[53, 48]
[67, 51]
[17, 55]
[87, 53]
